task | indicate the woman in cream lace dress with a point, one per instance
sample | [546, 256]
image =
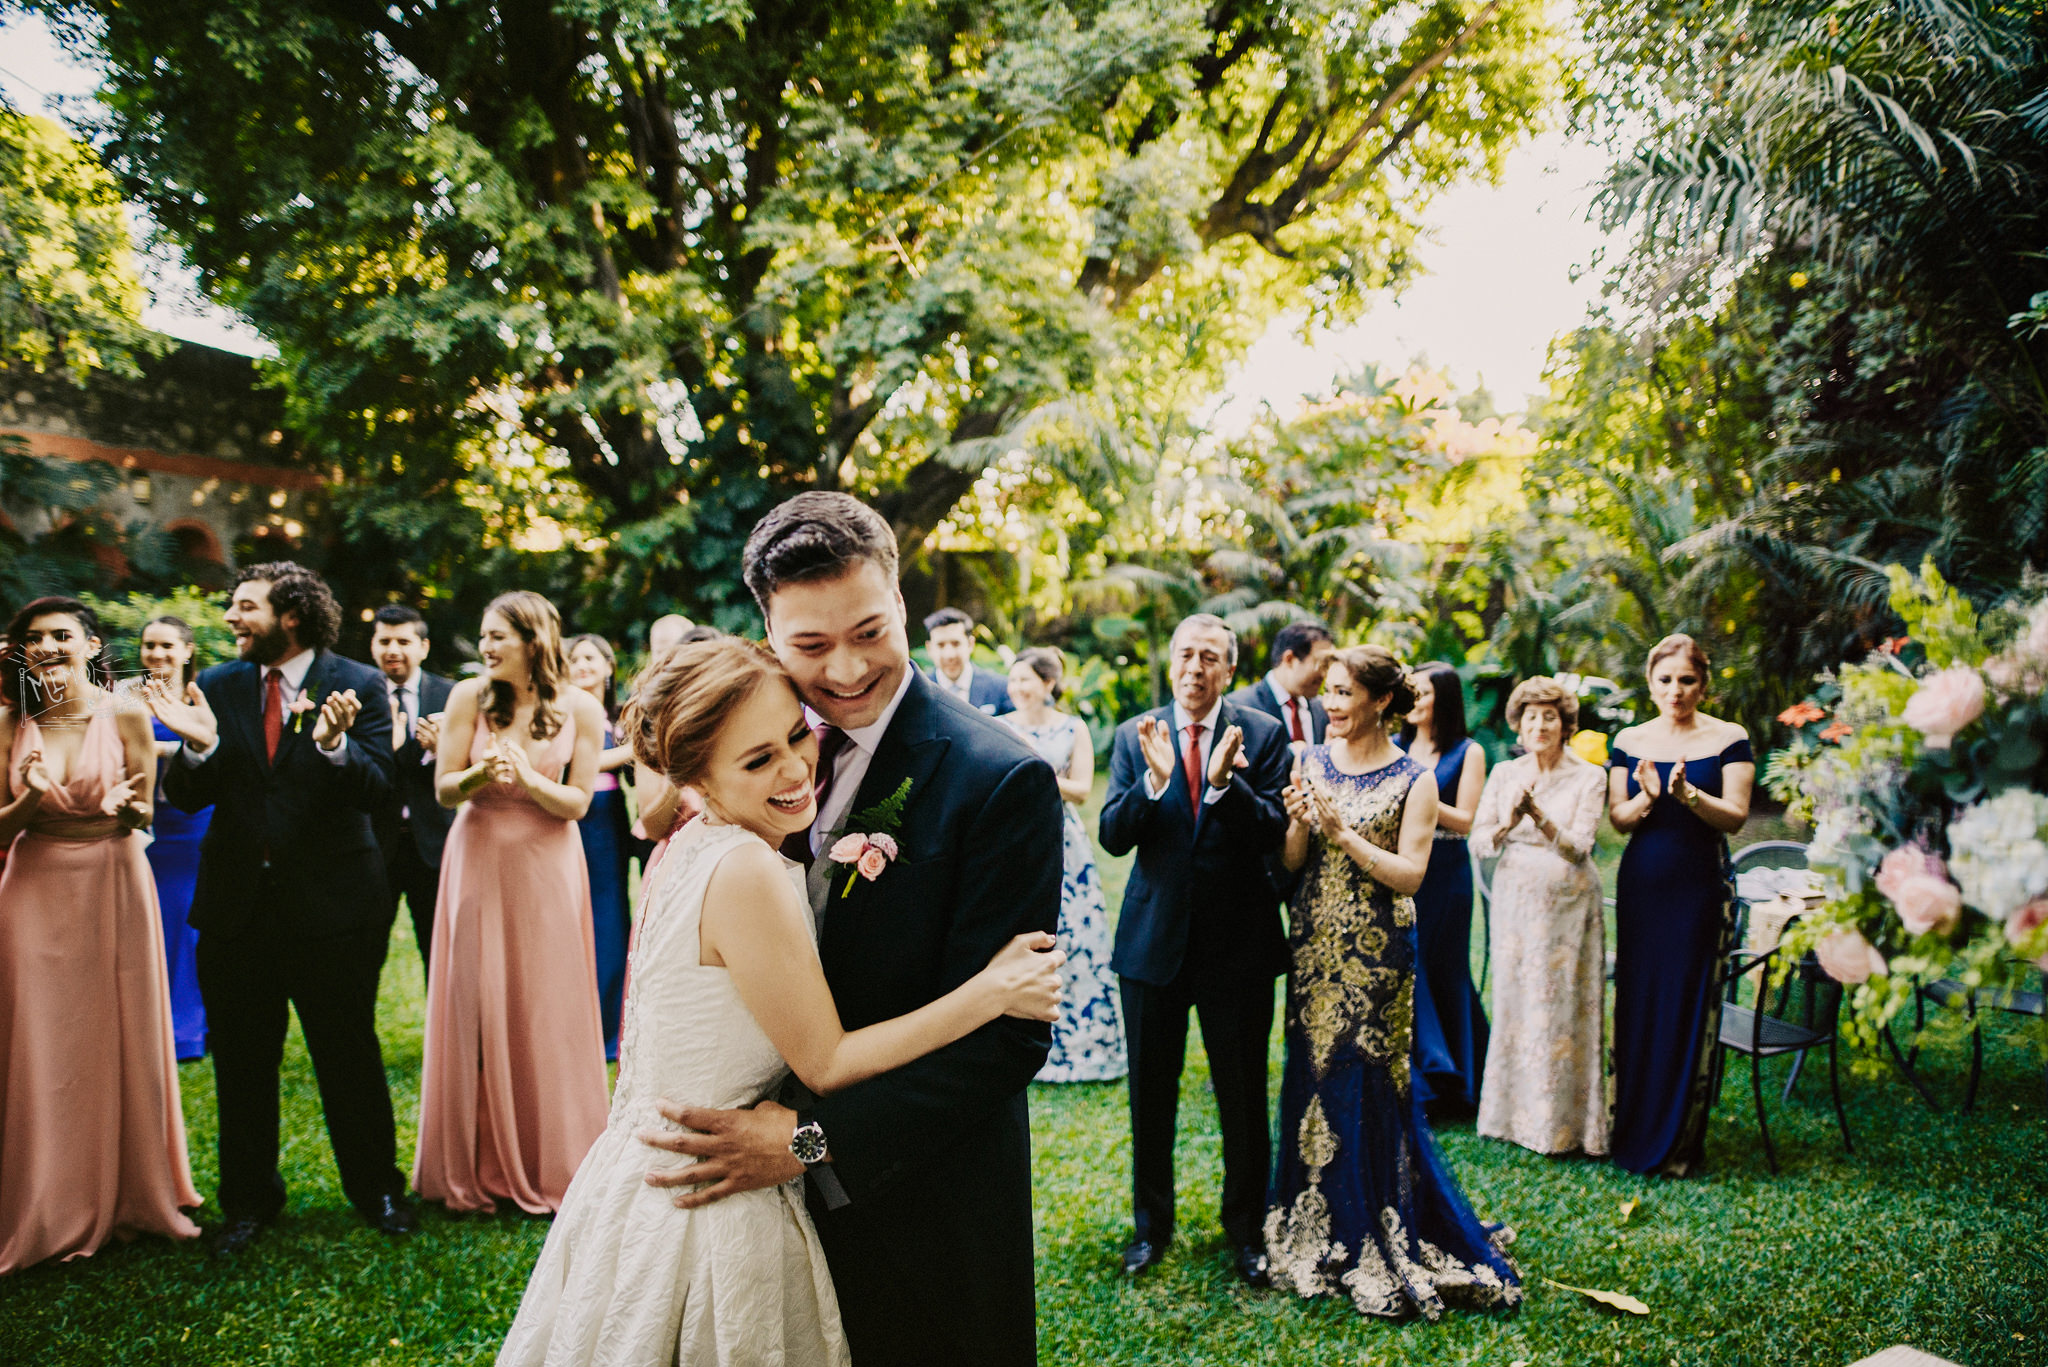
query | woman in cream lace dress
[1544, 1087]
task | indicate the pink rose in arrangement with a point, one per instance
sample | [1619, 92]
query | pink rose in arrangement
[1916, 882]
[1847, 957]
[2023, 923]
[885, 843]
[847, 848]
[1945, 703]
[872, 862]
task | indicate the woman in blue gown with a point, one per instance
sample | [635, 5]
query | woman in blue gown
[167, 648]
[607, 836]
[1450, 1022]
[1363, 1204]
[1677, 787]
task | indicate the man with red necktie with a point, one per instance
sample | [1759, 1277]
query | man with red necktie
[1298, 658]
[291, 747]
[1194, 789]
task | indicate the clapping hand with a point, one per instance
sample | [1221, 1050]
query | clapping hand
[1227, 754]
[35, 775]
[1155, 742]
[123, 801]
[511, 766]
[1650, 781]
[189, 718]
[1296, 798]
[427, 731]
[1308, 805]
[337, 714]
[1525, 804]
[1681, 786]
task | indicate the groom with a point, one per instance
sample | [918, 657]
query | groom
[920, 1179]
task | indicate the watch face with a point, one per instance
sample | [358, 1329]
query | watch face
[807, 1145]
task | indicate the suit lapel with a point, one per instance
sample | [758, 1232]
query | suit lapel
[241, 704]
[909, 750]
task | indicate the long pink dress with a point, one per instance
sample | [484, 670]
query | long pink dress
[512, 1089]
[92, 1133]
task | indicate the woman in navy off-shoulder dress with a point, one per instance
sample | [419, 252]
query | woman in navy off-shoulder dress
[173, 853]
[607, 832]
[1450, 1022]
[1677, 787]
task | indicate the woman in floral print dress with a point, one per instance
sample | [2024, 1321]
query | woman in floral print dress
[1362, 1202]
[1088, 1038]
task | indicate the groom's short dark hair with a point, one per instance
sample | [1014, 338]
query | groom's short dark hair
[815, 536]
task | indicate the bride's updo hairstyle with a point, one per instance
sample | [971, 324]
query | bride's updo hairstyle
[1374, 669]
[681, 702]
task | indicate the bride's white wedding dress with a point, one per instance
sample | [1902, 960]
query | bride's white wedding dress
[628, 1280]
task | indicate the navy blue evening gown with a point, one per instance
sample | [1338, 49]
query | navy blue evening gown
[607, 844]
[1672, 933]
[174, 859]
[1450, 1022]
[1363, 1204]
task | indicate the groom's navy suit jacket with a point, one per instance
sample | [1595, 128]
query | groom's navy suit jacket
[932, 1257]
[308, 817]
[1198, 895]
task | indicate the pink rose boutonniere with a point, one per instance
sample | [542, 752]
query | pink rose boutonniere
[300, 706]
[867, 855]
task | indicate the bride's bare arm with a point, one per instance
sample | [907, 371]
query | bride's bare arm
[756, 926]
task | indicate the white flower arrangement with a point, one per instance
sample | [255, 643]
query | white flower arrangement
[1997, 851]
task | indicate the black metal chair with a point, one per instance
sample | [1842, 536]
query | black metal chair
[1761, 872]
[1762, 1032]
[1947, 992]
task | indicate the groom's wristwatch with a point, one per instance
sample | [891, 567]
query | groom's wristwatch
[808, 1145]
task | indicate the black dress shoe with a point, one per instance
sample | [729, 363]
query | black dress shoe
[1140, 1254]
[1252, 1266]
[391, 1215]
[239, 1232]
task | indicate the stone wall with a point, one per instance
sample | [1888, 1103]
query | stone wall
[202, 444]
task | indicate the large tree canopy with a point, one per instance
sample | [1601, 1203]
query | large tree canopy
[69, 294]
[643, 267]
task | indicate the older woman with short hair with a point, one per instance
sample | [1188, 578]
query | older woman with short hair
[1544, 1087]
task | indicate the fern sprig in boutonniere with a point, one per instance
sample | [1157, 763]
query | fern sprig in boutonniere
[868, 850]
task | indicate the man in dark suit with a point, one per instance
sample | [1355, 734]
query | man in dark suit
[1297, 660]
[413, 826]
[949, 638]
[1194, 788]
[920, 1179]
[290, 903]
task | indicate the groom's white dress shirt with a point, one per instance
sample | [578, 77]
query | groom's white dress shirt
[852, 765]
[294, 670]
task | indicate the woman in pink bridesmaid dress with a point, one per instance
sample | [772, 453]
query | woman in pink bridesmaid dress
[92, 1135]
[512, 1091]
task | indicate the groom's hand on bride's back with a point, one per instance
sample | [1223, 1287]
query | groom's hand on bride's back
[736, 1151]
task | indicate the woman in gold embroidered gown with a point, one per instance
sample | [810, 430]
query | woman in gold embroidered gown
[1362, 1203]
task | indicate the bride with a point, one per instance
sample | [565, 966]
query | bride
[725, 999]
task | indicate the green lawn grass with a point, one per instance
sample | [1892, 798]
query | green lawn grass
[1931, 1233]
